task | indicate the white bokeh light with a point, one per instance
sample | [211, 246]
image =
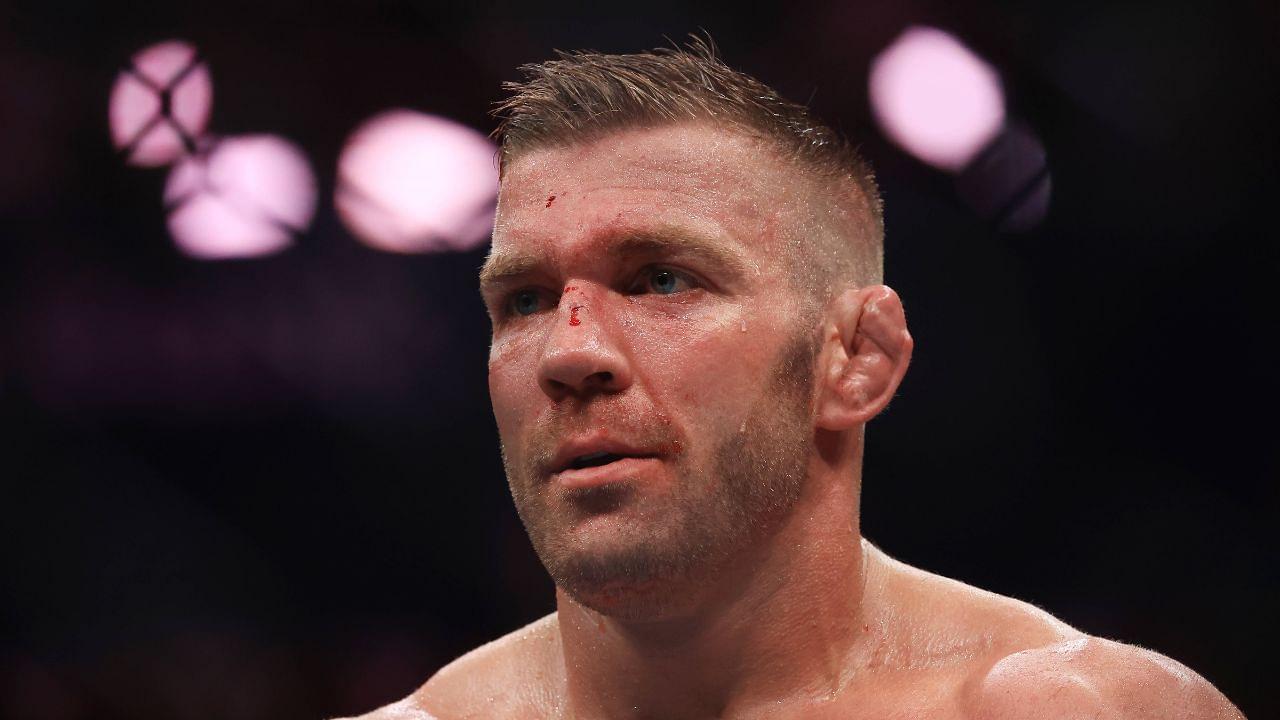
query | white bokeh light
[935, 98]
[246, 196]
[161, 104]
[409, 182]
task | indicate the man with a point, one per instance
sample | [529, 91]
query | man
[689, 336]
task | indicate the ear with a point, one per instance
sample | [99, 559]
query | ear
[865, 354]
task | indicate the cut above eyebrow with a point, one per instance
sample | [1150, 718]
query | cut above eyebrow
[500, 268]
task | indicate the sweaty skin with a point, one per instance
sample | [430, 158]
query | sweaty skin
[669, 246]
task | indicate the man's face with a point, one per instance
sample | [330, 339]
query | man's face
[651, 364]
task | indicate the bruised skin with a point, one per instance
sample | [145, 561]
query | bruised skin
[793, 616]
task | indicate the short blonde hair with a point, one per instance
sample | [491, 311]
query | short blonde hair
[586, 94]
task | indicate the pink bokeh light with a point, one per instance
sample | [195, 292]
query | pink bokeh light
[409, 182]
[160, 105]
[935, 98]
[244, 197]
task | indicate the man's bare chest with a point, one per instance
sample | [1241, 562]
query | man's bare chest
[913, 695]
[936, 695]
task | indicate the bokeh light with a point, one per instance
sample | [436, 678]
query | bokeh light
[935, 98]
[242, 197]
[409, 182]
[160, 105]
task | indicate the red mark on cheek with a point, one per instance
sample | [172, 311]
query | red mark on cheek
[551, 200]
[573, 315]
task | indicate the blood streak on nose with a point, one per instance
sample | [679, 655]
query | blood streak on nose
[573, 315]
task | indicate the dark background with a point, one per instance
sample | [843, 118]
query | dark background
[271, 488]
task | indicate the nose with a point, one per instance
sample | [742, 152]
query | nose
[582, 355]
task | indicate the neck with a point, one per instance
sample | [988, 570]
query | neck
[783, 627]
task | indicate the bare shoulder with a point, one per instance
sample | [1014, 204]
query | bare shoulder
[1015, 660]
[981, 625]
[1106, 679]
[404, 710]
[516, 675]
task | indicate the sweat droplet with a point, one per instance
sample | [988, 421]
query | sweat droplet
[743, 326]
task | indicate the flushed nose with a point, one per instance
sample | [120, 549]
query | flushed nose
[581, 356]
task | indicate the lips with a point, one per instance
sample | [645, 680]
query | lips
[586, 453]
[595, 460]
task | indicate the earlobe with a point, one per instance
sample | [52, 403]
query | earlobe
[866, 353]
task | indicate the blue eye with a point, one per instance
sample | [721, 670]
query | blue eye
[525, 302]
[663, 281]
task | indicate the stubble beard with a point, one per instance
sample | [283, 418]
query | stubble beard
[686, 539]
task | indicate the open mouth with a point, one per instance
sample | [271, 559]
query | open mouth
[594, 459]
[593, 469]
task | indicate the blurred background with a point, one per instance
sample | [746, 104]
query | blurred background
[249, 468]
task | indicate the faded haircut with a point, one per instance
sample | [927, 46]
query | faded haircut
[584, 95]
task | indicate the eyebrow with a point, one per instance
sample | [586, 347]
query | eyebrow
[502, 268]
[666, 241]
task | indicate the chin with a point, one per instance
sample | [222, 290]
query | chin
[638, 581]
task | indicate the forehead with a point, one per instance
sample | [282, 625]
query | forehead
[705, 179]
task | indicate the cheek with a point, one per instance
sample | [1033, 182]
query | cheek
[512, 385]
[709, 368]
